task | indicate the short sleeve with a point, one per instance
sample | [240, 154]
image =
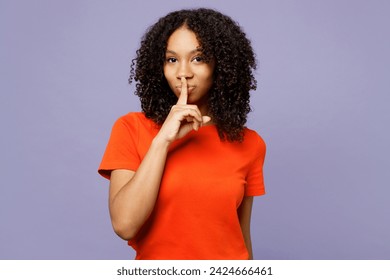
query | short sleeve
[255, 180]
[121, 151]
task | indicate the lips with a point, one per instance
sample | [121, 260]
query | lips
[190, 88]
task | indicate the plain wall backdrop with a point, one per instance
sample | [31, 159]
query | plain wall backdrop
[322, 106]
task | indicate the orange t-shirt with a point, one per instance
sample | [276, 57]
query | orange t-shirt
[204, 182]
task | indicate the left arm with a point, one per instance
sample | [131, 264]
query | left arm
[244, 215]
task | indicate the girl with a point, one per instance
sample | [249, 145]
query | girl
[183, 172]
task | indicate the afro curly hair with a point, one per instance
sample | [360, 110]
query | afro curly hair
[222, 40]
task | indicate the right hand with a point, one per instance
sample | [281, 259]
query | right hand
[182, 118]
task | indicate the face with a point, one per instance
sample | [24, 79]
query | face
[183, 58]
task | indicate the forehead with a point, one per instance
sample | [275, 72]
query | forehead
[182, 39]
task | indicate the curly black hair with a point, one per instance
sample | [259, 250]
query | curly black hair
[222, 40]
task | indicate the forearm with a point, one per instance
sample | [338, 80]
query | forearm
[248, 243]
[133, 204]
[244, 214]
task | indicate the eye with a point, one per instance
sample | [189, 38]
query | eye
[198, 59]
[171, 60]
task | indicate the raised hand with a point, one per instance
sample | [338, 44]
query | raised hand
[182, 118]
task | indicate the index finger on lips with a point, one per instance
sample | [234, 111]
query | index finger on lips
[184, 92]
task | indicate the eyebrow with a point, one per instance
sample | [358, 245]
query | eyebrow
[191, 52]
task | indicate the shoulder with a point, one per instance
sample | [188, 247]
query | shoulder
[254, 143]
[251, 137]
[135, 123]
[131, 118]
[135, 120]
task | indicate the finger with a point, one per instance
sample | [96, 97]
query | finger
[184, 92]
[186, 112]
[195, 123]
[206, 119]
[195, 126]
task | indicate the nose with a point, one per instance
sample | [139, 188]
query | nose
[184, 70]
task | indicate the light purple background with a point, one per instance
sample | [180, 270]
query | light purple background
[322, 106]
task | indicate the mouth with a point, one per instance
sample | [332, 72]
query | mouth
[190, 88]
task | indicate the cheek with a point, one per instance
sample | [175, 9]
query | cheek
[166, 74]
[171, 80]
[208, 79]
[168, 77]
[208, 74]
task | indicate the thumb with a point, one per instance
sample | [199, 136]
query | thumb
[206, 119]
